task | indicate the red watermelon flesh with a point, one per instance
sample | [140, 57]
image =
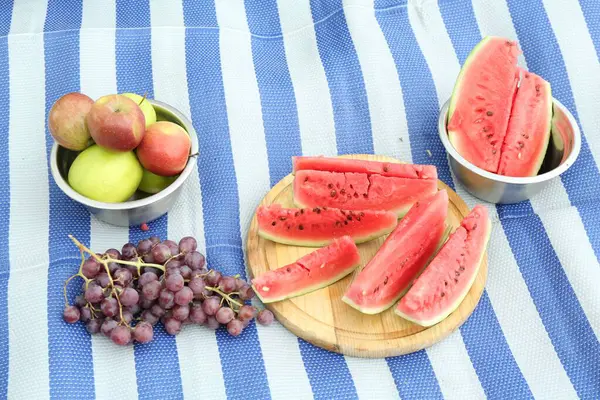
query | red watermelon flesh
[481, 101]
[529, 128]
[335, 164]
[403, 255]
[313, 271]
[318, 226]
[359, 191]
[443, 285]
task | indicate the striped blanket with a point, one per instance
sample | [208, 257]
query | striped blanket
[263, 80]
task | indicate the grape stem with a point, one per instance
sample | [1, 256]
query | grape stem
[224, 295]
[65, 289]
[113, 291]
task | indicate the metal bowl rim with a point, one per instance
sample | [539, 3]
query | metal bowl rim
[547, 176]
[128, 205]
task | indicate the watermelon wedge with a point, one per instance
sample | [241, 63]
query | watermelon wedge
[403, 255]
[443, 285]
[315, 227]
[335, 164]
[481, 101]
[529, 127]
[313, 271]
[359, 191]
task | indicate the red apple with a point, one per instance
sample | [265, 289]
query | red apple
[66, 121]
[165, 148]
[116, 122]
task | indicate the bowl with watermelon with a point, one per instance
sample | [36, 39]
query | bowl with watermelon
[506, 136]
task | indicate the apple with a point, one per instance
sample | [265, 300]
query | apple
[152, 183]
[105, 175]
[147, 108]
[165, 148]
[116, 122]
[66, 121]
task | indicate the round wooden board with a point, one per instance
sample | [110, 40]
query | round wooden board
[323, 319]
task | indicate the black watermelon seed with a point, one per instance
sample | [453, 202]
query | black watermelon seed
[455, 280]
[385, 281]
[474, 226]
[355, 195]
[343, 212]
[445, 283]
[385, 169]
[362, 214]
[351, 187]
[273, 223]
[289, 269]
[302, 211]
[330, 186]
[343, 191]
[315, 209]
[457, 273]
[443, 294]
[345, 222]
[333, 193]
[358, 218]
[349, 217]
[493, 151]
[462, 268]
[305, 180]
[489, 113]
[324, 208]
[300, 227]
[365, 195]
[282, 218]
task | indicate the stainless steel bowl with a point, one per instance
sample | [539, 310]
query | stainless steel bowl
[141, 207]
[563, 149]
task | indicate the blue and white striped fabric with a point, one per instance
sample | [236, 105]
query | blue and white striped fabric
[262, 81]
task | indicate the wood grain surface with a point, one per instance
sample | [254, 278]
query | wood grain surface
[321, 317]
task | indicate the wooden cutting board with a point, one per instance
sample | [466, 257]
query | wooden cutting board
[321, 317]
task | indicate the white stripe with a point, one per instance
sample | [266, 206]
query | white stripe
[29, 210]
[196, 345]
[98, 78]
[386, 105]
[452, 352]
[249, 149]
[28, 16]
[315, 111]
[372, 378]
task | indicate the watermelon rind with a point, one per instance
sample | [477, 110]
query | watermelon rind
[450, 308]
[324, 242]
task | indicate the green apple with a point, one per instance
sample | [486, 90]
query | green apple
[145, 105]
[152, 183]
[105, 175]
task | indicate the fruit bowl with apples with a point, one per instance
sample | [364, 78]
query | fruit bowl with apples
[123, 156]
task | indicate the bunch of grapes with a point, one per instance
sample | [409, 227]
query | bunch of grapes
[126, 293]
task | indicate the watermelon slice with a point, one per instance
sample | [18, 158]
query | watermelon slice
[440, 289]
[316, 227]
[313, 271]
[529, 128]
[335, 164]
[359, 191]
[481, 101]
[403, 255]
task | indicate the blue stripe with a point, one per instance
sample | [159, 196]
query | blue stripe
[591, 13]
[346, 85]
[69, 346]
[241, 357]
[4, 197]
[551, 291]
[280, 114]
[461, 25]
[328, 373]
[422, 107]
[157, 363]
[414, 377]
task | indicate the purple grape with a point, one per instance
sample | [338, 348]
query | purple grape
[161, 253]
[172, 246]
[172, 326]
[157, 310]
[90, 268]
[187, 244]
[174, 282]
[265, 317]
[133, 269]
[196, 314]
[154, 239]
[148, 258]
[155, 271]
[134, 308]
[109, 307]
[224, 315]
[197, 285]
[212, 323]
[185, 271]
[122, 276]
[184, 296]
[127, 317]
[149, 317]
[129, 297]
[129, 252]
[246, 292]
[174, 263]
[93, 326]
[147, 277]
[143, 332]
[107, 326]
[240, 283]
[113, 253]
[246, 313]
[181, 313]
[71, 314]
[112, 267]
[94, 294]
[144, 246]
[172, 271]
[151, 290]
[195, 260]
[235, 327]
[227, 284]
[103, 279]
[80, 301]
[85, 314]
[121, 335]
[146, 303]
[166, 299]
[211, 305]
[213, 278]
